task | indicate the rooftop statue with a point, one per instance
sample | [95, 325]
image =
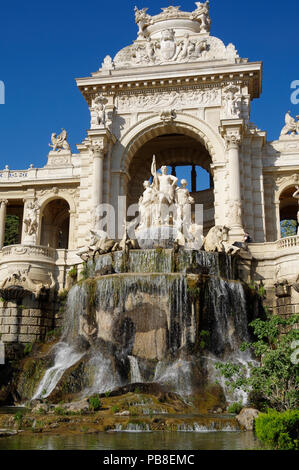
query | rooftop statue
[291, 125]
[59, 142]
[173, 36]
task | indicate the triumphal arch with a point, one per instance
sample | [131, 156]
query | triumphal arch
[181, 94]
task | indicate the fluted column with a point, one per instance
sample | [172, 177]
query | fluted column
[97, 149]
[3, 205]
[233, 140]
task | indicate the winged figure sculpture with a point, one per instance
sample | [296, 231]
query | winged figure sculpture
[59, 142]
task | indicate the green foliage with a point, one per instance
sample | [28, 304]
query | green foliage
[37, 427]
[279, 430]
[53, 335]
[73, 273]
[84, 271]
[62, 295]
[108, 393]
[95, 403]
[137, 391]
[60, 411]
[288, 228]
[28, 348]
[235, 408]
[91, 286]
[133, 410]
[204, 337]
[194, 293]
[276, 378]
[11, 230]
[18, 417]
[115, 409]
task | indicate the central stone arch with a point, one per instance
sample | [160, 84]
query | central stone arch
[153, 126]
[190, 142]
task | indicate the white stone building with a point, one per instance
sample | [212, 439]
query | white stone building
[183, 95]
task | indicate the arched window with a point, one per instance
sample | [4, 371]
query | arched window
[288, 213]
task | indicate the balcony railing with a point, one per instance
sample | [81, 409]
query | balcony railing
[288, 242]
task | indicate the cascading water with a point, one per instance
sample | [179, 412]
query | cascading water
[65, 357]
[65, 354]
[134, 370]
[142, 324]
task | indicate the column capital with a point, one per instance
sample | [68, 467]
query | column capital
[4, 202]
[232, 140]
[97, 148]
[232, 132]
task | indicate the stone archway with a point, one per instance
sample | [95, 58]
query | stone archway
[183, 155]
[153, 127]
[205, 141]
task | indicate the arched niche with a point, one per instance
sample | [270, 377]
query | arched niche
[55, 224]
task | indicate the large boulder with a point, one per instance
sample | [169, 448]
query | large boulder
[247, 417]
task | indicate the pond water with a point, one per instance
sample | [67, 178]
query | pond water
[134, 441]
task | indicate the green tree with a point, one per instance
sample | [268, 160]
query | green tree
[288, 228]
[11, 230]
[275, 377]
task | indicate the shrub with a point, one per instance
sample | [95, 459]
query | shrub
[235, 408]
[62, 295]
[73, 273]
[18, 417]
[60, 411]
[133, 411]
[28, 348]
[115, 409]
[275, 378]
[279, 430]
[95, 403]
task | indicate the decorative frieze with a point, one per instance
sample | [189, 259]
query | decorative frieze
[174, 99]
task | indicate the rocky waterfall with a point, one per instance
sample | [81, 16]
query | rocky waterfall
[156, 316]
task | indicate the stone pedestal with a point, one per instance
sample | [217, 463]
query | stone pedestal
[59, 158]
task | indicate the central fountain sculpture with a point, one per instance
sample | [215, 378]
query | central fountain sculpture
[168, 218]
[166, 215]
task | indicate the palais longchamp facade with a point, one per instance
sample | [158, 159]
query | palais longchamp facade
[180, 94]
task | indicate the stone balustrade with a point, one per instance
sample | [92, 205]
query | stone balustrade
[288, 242]
[28, 251]
[47, 172]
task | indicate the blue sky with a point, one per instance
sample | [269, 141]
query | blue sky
[45, 45]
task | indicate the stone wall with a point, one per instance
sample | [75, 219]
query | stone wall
[27, 322]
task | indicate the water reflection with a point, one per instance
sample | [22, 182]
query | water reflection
[134, 441]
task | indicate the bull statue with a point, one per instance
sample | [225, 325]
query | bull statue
[217, 241]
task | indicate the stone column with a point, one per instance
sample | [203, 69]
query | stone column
[193, 179]
[71, 243]
[3, 205]
[97, 150]
[233, 140]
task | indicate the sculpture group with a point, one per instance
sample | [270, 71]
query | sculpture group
[165, 220]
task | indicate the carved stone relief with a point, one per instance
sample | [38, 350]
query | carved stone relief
[174, 99]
